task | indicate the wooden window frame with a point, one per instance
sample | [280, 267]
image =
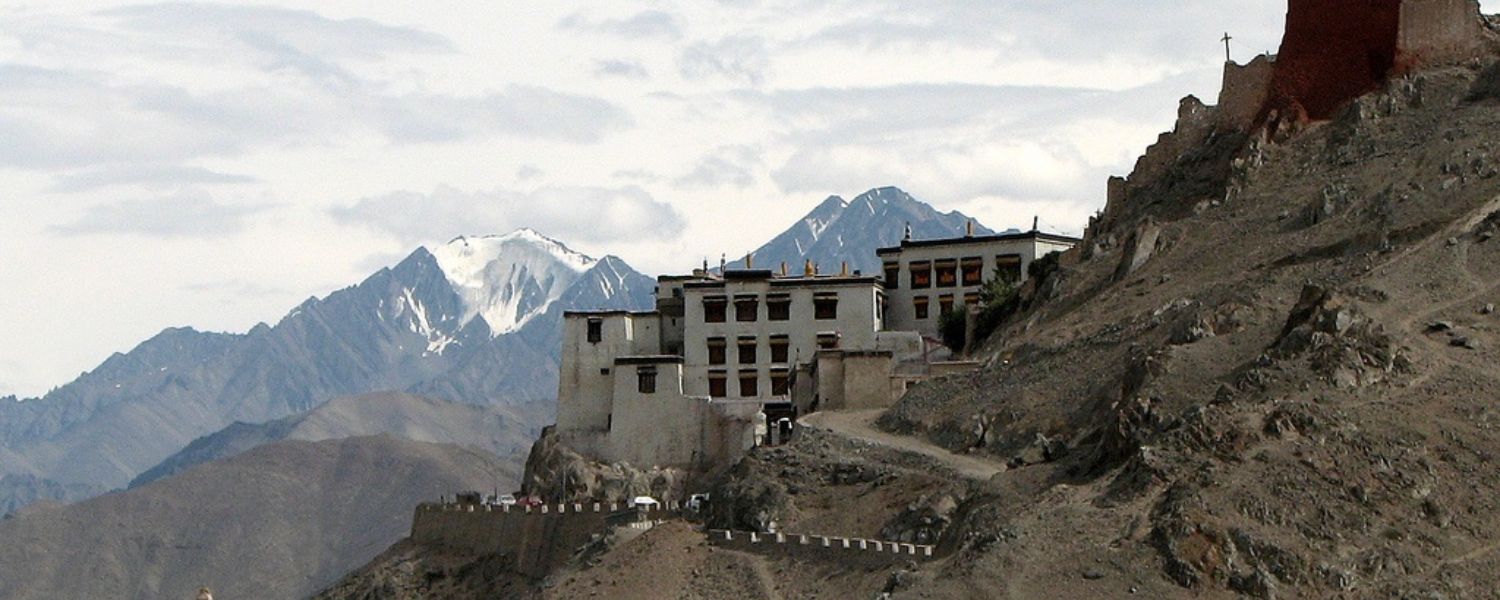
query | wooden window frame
[645, 380]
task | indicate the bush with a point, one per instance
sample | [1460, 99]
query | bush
[951, 326]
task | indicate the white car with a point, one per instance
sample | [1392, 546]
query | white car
[501, 500]
[645, 502]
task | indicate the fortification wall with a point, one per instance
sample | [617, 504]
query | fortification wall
[847, 552]
[1243, 94]
[539, 538]
[1438, 31]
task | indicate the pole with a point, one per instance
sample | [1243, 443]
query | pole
[1226, 39]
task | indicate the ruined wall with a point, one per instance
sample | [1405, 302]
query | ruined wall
[539, 539]
[1243, 94]
[847, 552]
[1438, 31]
[1337, 50]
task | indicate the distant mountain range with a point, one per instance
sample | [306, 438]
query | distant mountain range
[417, 327]
[841, 230]
[475, 321]
[279, 521]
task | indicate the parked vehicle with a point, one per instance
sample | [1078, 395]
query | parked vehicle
[645, 502]
[697, 502]
[531, 501]
[501, 500]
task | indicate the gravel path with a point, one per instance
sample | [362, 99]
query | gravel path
[859, 424]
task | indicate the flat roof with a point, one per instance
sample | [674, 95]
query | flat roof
[655, 359]
[980, 239]
[799, 281]
[570, 314]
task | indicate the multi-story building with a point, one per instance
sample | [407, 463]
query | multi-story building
[926, 278]
[727, 360]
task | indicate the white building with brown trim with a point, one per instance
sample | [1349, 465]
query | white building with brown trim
[728, 359]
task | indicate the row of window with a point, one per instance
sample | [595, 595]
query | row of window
[921, 305]
[748, 353]
[950, 272]
[749, 384]
[778, 307]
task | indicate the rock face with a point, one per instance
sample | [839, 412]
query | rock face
[558, 474]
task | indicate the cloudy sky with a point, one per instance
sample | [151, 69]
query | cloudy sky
[213, 165]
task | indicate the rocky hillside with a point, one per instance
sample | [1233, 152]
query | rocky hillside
[503, 431]
[279, 521]
[1269, 372]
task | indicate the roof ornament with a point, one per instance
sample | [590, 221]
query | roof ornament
[969, 228]
[723, 263]
[906, 235]
[1034, 220]
[749, 260]
[783, 268]
[844, 269]
[808, 269]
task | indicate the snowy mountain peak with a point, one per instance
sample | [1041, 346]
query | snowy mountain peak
[509, 279]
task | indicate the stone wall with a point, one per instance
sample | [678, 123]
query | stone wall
[539, 538]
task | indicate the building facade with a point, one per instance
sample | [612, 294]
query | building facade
[926, 278]
[728, 360]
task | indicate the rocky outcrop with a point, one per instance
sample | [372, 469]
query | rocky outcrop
[556, 473]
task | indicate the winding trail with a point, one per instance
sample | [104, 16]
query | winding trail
[859, 425]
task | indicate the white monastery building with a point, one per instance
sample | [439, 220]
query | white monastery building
[728, 360]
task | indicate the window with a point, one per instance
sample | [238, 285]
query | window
[716, 354]
[646, 380]
[947, 273]
[747, 351]
[892, 275]
[921, 275]
[718, 385]
[749, 384]
[971, 299]
[779, 307]
[779, 347]
[780, 383]
[746, 309]
[919, 305]
[1008, 267]
[945, 303]
[714, 308]
[825, 306]
[604, 371]
[973, 270]
[596, 330]
[828, 340]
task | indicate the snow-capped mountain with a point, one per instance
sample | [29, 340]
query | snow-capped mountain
[840, 230]
[477, 321]
[509, 279]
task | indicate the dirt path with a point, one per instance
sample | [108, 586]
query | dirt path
[859, 424]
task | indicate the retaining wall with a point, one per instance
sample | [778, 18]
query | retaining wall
[539, 538]
[845, 551]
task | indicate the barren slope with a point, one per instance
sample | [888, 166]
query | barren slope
[279, 521]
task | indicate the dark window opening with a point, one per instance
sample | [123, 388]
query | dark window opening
[920, 306]
[945, 304]
[604, 371]
[973, 271]
[749, 384]
[717, 385]
[921, 275]
[716, 352]
[596, 330]
[828, 341]
[947, 274]
[1008, 268]
[779, 308]
[826, 307]
[746, 310]
[747, 352]
[971, 299]
[780, 384]
[646, 380]
[714, 310]
[892, 275]
[779, 349]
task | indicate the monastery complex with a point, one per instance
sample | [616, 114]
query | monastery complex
[730, 359]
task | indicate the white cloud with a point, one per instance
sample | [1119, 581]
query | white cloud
[595, 215]
[191, 213]
[739, 58]
[644, 24]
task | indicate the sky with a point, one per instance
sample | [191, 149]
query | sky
[213, 165]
